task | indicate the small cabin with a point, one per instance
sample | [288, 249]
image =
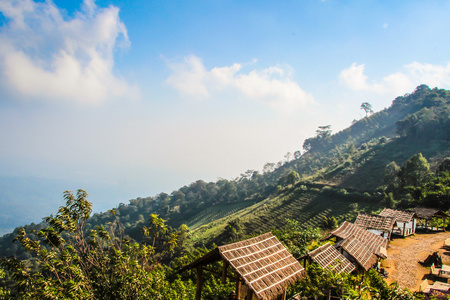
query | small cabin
[405, 221]
[380, 225]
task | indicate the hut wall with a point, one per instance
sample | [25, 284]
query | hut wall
[380, 233]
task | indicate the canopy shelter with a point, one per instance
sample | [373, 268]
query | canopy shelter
[328, 257]
[429, 214]
[377, 224]
[405, 221]
[262, 263]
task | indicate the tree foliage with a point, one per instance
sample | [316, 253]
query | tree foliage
[367, 107]
[297, 240]
[322, 283]
[100, 265]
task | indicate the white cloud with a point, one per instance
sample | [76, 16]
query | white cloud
[398, 83]
[44, 56]
[188, 77]
[271, 86]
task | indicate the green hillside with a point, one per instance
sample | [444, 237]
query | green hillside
[336, 175]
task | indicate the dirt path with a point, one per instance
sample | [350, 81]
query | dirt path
[404, 256]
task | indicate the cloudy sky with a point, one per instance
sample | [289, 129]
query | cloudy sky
[131, 98]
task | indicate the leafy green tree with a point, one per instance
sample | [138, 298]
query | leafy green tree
[292, 177]
[323, 131]
[322, 283]
[433, 193]
[297, 240]
[234, 231]
[388, 200]
[330, 222]
[4, 291]
[415, 171]
[390, 176]
[367, 107]
[444, 166]
[100, 265]
[351, 149]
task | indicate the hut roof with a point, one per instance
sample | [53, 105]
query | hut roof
[363, 255]
[375, 243]
[426, 213]
[264, 264]
[329, 258]
[402, 216]
[377, 222]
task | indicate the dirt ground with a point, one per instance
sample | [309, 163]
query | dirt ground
[404, 255]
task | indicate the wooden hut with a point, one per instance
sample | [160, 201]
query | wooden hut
[361, 246]
[427, 214]
[328, 257]
[376, 244]
[405, 221]
[377, 224]
[358, 253]
[261, 263]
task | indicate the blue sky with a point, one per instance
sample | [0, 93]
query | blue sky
[131, 98]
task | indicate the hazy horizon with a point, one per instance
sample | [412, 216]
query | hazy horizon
[129, 99]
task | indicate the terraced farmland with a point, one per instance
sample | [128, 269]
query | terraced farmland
[216, 212]
[309, 207]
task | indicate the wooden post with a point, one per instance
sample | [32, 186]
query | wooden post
[249, 294]
[283, 296]
[224, 271]
[198, 293]
[404, 229]
[238, 289]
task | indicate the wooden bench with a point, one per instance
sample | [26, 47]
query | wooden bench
[425, 287]
[443, 272]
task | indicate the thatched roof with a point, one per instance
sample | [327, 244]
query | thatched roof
[402, 216]
[377, 222]
[329, 258]
[264, 264]
[426, 213]
[375, 243]
[359, 252]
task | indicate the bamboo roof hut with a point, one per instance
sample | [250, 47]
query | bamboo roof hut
[381, 225]
[328, 257]
[362, 254]
[399, 215]
[262, 263]
[405, 220]
[430, 213]
[376, 244]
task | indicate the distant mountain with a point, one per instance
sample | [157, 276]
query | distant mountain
[24, 200]
[336, 176]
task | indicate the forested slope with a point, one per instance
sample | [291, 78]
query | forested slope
[335, 172]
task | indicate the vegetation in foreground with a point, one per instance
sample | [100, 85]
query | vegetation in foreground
[70, 264]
